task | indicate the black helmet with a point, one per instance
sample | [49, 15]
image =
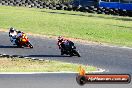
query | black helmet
[19, 32]
[12, 29]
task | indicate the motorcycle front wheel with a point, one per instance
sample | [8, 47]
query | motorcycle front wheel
[29, 45]
[76, 53]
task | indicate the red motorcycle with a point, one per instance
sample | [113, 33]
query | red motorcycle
[23, 41]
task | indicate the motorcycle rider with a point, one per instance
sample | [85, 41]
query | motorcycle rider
[20, 38]
[14, 35]
[12, 32]
[60, 41]
[64, 43]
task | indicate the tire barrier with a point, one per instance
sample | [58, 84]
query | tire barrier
[18, 56]
[90, 9]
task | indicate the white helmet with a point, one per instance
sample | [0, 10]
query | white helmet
[12, 29]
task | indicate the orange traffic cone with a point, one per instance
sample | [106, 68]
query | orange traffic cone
[81, 71]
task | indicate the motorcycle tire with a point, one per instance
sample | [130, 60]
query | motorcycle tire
[18, 45]
[62, 53]
[76, 53]
[29, 45]
[71, 55]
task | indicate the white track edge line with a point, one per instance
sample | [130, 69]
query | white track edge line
[63, 72]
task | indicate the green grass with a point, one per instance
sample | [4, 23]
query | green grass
[28, 65]
[92, 27]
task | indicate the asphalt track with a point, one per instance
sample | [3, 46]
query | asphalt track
[49, 81]
[112, 59]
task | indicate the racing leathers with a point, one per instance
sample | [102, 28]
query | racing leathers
[64, 44]
[12, 36]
